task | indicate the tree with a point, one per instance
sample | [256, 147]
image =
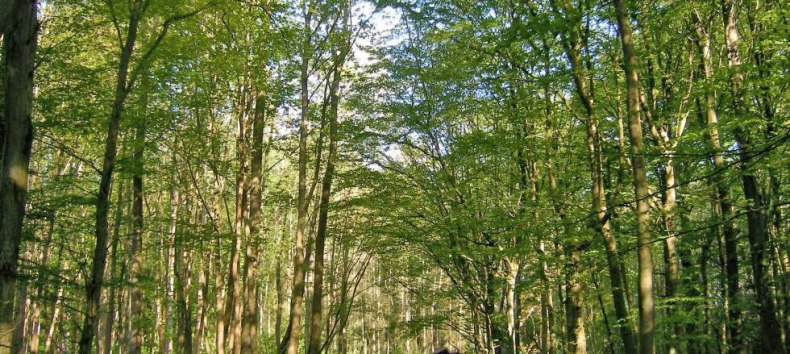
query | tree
[297, 294]
[20, 35]
[755, 213]
[126, 79]
[642, 193]
[314, 345]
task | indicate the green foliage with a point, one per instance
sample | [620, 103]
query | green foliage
[463, 185]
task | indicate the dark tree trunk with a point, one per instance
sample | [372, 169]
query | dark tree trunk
[770, 336]
[94, 283]
[134, 335]
[19, 29]
[314, 343]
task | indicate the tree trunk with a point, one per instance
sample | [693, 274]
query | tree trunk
[278, 282]
[20, 30]
[202, 306]
[53, 321]
[601, 224]
[722, 191]
[219, 314]
[109, 321]
[314, 344]
[170, 265]
[666, 134]
[233, 302]
[18, 341]
[297, 294]
[249, 331]
[770, 336]
[671, 257]
[642, 193]
[546, 306]
[577, 339]
[181, 272]
[605, 318]
[219, 291]
[134, 335]
[93, 285]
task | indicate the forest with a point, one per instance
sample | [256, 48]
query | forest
[395, 176]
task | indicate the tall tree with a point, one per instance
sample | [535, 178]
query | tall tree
[314, 345]
[125, 81]
[93, 285]
[19, 30]
[770, 335]
[249, 331]
[723, 199]
[573, 45]
[136, 302]
[297, 293]
[642, 192]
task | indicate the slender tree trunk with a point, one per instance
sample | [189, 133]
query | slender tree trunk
[314, 343]
[546, 306]
[20, 30]
[605, 318]
[134, 336]
[574, 302]
[513, 310]
[646, 302]
[167, 286]
[249, 331]
[42, 292]
[219, 291]
[546, 298]
[666, 133]
[219, 313]
[671, 257]
[18, 340]
[53, 318]
[181, 272]
[707, 327]
[93, 285]
[202, 306]
[183, 315]
[109, 321]
[172, 233]
[32, 332]
[297, 294]
[278, 280]
[233, 301]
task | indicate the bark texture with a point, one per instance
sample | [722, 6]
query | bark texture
[19, 29]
